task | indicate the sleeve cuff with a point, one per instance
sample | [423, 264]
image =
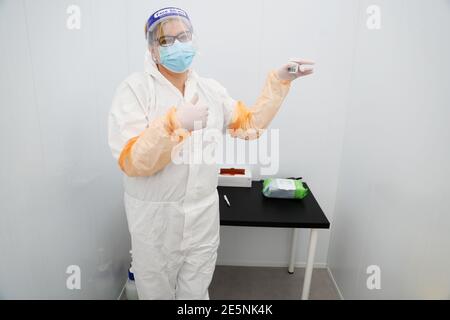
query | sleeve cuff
[274, 75]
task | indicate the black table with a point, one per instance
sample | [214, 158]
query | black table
[249, 207]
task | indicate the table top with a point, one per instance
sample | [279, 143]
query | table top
[249, 207]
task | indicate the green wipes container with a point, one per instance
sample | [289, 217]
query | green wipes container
[284, 188]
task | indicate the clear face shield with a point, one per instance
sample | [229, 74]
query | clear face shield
[171, 39]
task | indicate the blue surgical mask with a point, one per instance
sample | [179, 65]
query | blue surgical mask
[177, 57]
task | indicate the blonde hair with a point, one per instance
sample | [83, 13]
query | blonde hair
[158, 30]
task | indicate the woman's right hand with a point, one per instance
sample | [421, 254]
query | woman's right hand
[192, 115]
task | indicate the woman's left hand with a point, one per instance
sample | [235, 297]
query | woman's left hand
[294, 69]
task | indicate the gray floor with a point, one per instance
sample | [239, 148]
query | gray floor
[230, 282]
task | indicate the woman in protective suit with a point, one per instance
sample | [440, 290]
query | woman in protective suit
[172, 206]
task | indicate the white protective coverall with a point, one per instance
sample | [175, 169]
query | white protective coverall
[173, 209]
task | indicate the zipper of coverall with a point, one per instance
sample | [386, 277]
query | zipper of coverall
[192, 168]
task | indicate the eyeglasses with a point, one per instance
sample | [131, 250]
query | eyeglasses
[166, 41]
